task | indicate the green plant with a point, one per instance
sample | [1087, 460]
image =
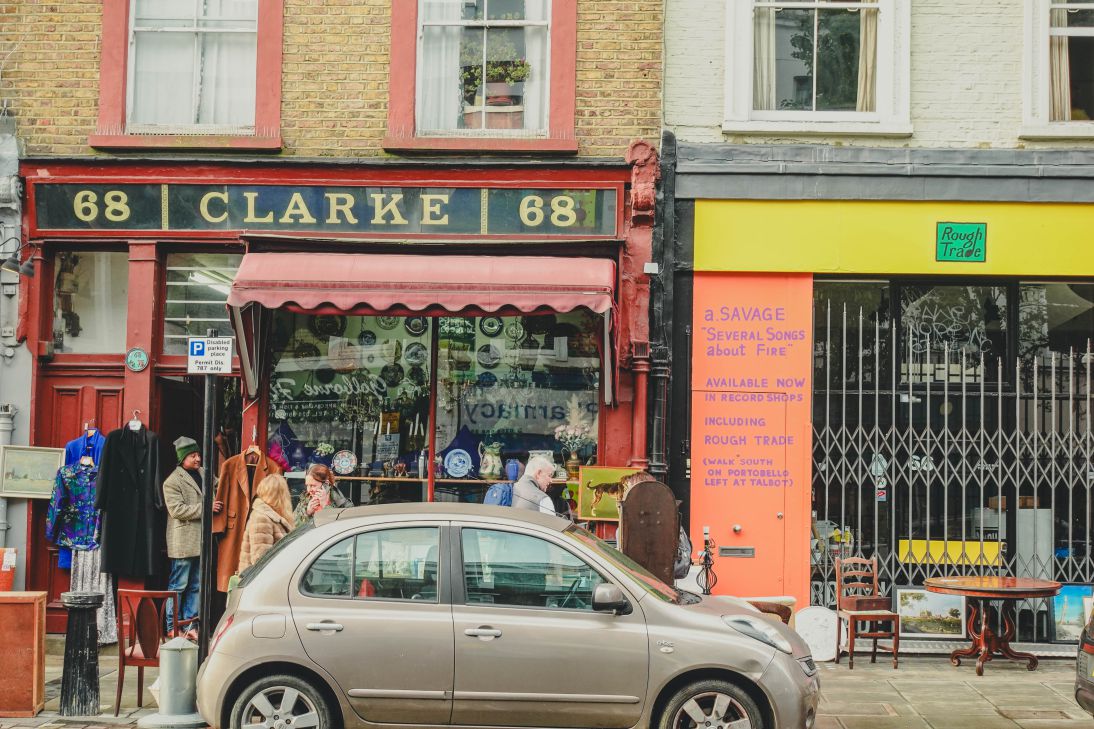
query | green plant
[502, 64]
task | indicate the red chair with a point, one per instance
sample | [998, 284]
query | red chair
[141, 632]
[858, 600]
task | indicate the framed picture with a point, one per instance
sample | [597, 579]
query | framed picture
[598, 492]
[1068, 614]
[929, 615]
[29, 472]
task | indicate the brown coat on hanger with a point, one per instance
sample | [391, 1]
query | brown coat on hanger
[236, 488]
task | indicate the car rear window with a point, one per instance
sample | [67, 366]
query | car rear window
[251, 572]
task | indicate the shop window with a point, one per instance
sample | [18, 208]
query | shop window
[504, 568]
[90, 299]
[190, 72]
[1055, 320]
[853, 334]
[397, 564]
[1060, 69]
[819, 65]
[331, 574]
[468, 71]
[197, 294]
[355, 391]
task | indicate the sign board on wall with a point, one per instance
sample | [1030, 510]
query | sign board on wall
[961, 242]
[751, 429]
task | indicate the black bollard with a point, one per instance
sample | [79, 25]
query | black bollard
[80, 679]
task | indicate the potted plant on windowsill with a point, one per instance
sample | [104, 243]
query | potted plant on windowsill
[500, 99]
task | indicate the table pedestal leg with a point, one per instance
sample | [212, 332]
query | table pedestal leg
[986, 643]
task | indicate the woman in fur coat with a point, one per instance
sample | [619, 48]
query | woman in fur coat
[270, 520]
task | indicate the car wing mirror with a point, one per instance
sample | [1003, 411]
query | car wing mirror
[609, 598]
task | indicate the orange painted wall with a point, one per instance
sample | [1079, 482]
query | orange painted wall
[751, 428]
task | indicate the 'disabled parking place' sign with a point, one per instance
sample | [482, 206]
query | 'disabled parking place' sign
[209, 355]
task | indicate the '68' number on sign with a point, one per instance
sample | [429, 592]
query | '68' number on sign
[115, 206]
[563, 211]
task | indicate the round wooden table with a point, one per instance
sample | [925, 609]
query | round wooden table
[980, 592]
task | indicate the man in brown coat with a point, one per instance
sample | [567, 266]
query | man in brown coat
[182, 497]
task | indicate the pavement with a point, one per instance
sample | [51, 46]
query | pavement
[926, 692]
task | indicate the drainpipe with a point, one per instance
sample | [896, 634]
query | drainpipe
[7, 425]
[661, 310]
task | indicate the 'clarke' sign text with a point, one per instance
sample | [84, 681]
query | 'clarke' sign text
[328, 209]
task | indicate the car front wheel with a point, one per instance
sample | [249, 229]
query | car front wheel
[712, 704]
[281, 702]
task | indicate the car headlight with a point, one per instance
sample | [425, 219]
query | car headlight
[759, 629]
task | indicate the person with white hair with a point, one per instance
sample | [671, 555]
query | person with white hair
[530, 490]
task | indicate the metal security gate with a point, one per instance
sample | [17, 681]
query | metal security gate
[943, 450]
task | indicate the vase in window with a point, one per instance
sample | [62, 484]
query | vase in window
[573, 466]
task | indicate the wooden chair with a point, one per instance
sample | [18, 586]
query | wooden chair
[141, 631]
[858, 601]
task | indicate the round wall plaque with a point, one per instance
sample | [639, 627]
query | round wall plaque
[136, 359]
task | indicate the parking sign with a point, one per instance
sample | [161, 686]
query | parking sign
[209, 355]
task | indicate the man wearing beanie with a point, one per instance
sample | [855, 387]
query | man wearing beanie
[182, 496]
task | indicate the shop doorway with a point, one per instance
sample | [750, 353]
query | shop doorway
[953, 433]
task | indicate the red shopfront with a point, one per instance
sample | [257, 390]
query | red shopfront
[391, 318]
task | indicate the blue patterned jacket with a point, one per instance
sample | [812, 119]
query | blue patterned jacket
[72, 519]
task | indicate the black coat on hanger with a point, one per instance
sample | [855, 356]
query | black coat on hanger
[128, 493]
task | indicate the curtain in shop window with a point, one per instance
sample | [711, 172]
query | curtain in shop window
[440, 100]
[867, 59]
[763, 64]
[164, 65]
[1059, 71]
[535, 50]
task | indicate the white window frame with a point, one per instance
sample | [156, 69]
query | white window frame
[892, 118]
[486, 24]
[188, 129]
[1037, 76]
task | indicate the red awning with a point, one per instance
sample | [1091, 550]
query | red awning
[367, 283]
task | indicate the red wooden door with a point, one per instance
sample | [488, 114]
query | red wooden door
[64, 403]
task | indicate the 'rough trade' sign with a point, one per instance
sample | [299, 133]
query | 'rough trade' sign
[961, 242]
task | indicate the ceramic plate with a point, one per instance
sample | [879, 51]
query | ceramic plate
[392, 374]
[387, 322]
[488, 379]
[488, 356]
[343, 462]
[457, 463]
[415, 353]
[415, 325]
[327, 325]
[417, 376]
[366, 338]
[491, 326]
[514, 330]
[306, 350]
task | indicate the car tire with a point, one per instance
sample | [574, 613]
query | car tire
[718, 702]
[263, 703]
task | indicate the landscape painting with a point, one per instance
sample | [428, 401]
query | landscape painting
[930, 615]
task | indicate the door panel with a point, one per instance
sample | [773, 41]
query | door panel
[70, 401]
[518, 664]
[389, 646]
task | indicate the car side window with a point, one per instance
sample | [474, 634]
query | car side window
[505, 568]
[397, 564]
[332, 573]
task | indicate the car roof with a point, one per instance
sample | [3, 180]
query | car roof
[442, 510]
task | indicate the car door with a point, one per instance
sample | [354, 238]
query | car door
[530, 651]
[374, 611]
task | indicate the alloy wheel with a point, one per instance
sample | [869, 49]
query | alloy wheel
[280, 707]
[712, 710]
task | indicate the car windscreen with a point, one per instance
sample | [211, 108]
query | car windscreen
[251, 572]
[649, 582]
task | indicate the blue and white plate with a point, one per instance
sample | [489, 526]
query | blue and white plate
[457, 463]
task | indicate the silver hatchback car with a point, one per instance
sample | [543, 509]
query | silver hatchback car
[477, 616]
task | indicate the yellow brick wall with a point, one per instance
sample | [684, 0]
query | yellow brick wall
[335, 74]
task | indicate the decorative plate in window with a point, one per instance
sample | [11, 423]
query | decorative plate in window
[343, 462]
[415, 325]
[491, 326]
[327, 325]
[387, 322]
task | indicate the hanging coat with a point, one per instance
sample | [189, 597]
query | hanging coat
[128, 494]
[235, 488]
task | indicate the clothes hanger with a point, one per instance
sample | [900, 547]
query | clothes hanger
[89, 428]
[135, 423]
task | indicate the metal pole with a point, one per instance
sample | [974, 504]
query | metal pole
[208, 448]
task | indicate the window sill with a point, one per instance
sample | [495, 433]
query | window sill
[819, 128]
[480, 144]
[184, 141]
[1058, 130]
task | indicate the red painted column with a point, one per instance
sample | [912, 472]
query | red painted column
[635, 294]
[141, 328]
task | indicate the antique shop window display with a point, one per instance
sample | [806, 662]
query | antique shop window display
[197, 289]
[483, 66]
[353, 393]
[90, 295]
[508, 387]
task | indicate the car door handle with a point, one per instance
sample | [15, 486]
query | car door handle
[325, 625]
[483, 632]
